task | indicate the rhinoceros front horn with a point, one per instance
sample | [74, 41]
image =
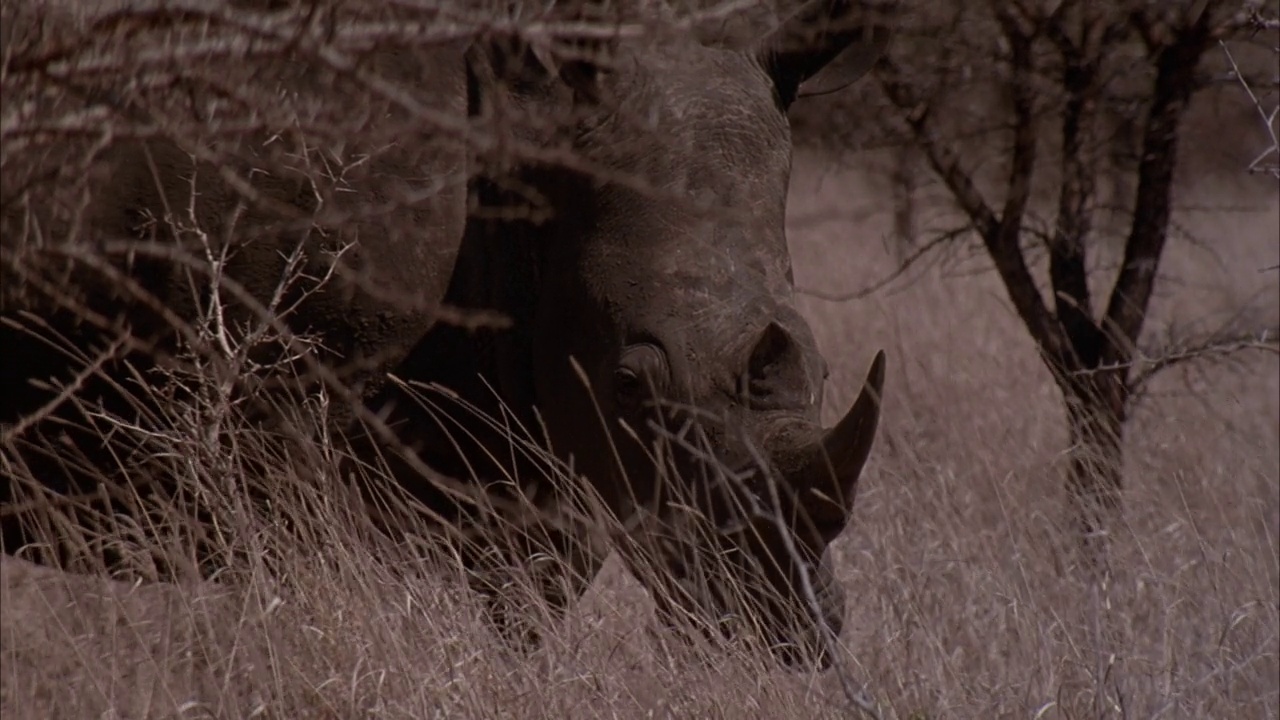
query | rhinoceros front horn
[830, 478]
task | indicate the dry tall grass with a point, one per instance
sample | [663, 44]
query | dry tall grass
[962, 604]
[967, 611]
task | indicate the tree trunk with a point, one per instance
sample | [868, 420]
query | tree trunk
[1095, 404]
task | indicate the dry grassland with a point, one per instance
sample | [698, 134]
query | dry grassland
[962, 604]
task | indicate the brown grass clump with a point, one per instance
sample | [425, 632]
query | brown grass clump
[963, 600]
[961, 570]
[968, 607]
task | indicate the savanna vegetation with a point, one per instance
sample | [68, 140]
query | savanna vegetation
[967, 594]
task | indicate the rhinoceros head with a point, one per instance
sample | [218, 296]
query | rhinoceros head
[666, 317]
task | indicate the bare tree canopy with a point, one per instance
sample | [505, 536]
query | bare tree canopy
[1071, 96]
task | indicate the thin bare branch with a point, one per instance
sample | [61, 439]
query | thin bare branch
[1001, 246]
[1214, 346]
[1268, 117]
[907, 263]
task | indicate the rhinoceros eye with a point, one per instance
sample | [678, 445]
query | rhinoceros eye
[641, 369]
[627, 383]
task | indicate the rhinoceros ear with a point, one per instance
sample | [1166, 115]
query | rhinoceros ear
[818, 32]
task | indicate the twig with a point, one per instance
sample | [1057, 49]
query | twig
[1268, 118]
[883, 282]
[1216, 345]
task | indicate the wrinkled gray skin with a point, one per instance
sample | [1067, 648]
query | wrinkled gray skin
[668, 282]
[662, 271]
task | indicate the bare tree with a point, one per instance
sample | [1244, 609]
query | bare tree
[1076, 91]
